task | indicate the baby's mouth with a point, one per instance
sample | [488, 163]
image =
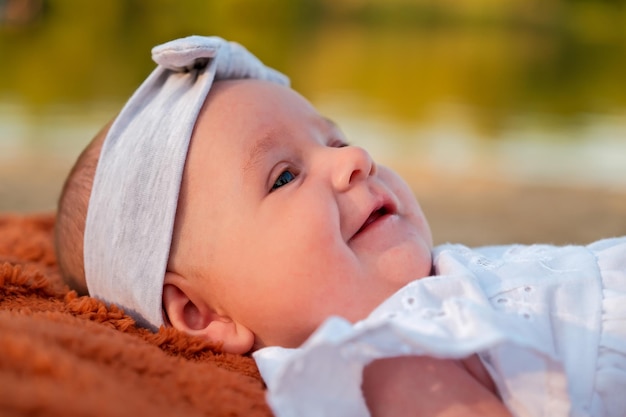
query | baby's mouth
[374, 216]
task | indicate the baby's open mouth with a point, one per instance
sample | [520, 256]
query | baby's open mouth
[375, 215]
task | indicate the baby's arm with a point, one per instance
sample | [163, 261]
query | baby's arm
[424, 386]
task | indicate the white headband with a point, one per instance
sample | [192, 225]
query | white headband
[130, 219]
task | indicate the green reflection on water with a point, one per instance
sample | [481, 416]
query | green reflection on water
[553, 59]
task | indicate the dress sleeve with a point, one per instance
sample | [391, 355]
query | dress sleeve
[441, 316]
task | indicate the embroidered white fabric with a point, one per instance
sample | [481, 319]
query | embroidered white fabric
[548, 323]
[133, 201]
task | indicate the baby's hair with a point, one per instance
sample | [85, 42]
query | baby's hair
[72, 214]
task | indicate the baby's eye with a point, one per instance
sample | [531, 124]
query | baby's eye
[285, 177]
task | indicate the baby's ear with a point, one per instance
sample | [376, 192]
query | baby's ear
[188, 312]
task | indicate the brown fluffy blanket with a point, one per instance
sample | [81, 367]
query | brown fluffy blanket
[64, 355]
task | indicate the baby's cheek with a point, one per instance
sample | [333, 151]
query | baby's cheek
[409, 204]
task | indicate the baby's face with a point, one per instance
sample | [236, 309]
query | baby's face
[285, 222]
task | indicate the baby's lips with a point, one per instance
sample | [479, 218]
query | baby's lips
[383, 205]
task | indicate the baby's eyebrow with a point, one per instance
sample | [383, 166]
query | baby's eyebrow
[258, 150]
[269, 142]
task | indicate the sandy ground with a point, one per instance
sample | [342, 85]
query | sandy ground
[465, 210]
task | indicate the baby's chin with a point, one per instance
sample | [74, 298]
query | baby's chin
[408, 263]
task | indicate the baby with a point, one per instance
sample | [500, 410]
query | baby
[221, 203]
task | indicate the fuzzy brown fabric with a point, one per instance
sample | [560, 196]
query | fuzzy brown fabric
[65, 355]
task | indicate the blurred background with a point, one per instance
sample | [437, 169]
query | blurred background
[507, 117]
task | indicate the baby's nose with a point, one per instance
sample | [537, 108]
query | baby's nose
[351, 165]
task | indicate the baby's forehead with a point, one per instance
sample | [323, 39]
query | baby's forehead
[254, 110]
[246, 122]
[258, 101]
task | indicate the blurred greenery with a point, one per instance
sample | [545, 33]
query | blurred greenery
[552, 58]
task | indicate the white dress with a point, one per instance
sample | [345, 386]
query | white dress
[548, 323]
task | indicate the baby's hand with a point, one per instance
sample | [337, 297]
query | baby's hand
[424, 386]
